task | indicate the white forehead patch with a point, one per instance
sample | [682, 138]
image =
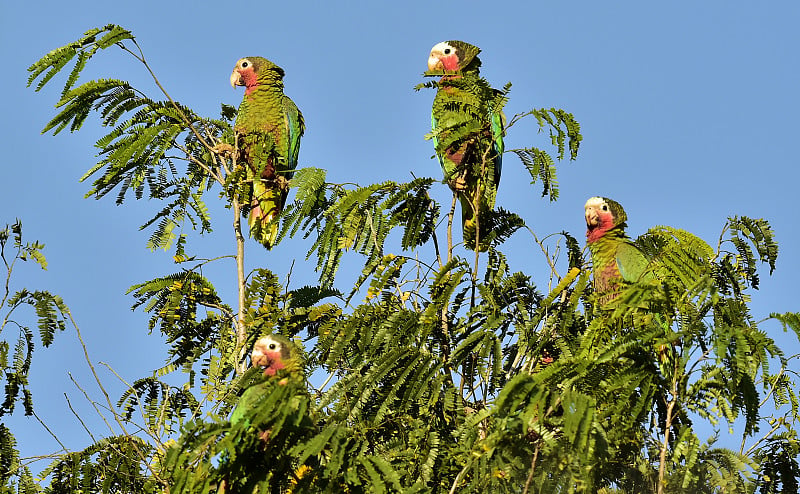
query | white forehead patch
[594, 202]
[443, 48]
[442, 45]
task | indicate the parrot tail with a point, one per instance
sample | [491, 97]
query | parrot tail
[263, 218]
[469, 222]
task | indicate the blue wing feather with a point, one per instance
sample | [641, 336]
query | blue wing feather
[296, 126]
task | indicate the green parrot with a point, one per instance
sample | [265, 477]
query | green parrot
[268, 128]
[280, 358]
[274, 409]
[467, 134]
[615, 259]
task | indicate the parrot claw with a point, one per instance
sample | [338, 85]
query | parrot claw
[223, 149]
[458, 183]
[282, 182]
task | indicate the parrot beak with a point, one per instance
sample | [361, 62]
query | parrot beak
[592, 211]
[434, 63]
[236, 79]
[592, 218]
[259, 357]
[269, 361]
[265, 361]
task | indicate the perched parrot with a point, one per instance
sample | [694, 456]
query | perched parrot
[467, 134]
[280, 358]
[272, 411]
[268, 128]
[615, 259]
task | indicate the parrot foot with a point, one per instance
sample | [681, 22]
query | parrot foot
[282, 182]
[223, 149]
[458, 183]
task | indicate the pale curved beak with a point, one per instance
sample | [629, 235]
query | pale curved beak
[434, 63]
[258, 358]
[236, 79]
[592, 218]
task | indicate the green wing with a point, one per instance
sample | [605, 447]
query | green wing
[631, 262]
[276, 164]
[498, 126]
[449, 167]
[249, 401]
[463, 127]
[256, 388]
[295, 125]
[436, 139]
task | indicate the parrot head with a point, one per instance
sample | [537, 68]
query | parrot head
[602, 214]
[453, 56]
[251, 71]
[273, 353]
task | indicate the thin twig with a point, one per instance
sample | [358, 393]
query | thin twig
[769, 434]
[662, 467]
[450, 227]
[533, 468]
[328, 380]
[88, 431]
[445, 322]
[199, 163]
[117, 418]
[458, 478]
[9, 268]
[436, 248]
[186, 120]
[241, 330]
[138, 401]
[288, 282]
[94, 404]
[51, 432]
[540, 243]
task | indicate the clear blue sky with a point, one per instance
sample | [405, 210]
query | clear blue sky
[688, 111]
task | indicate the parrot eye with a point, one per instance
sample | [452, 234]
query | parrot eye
[245, 64]
[272, 346]
[447, 51]
[605, 207]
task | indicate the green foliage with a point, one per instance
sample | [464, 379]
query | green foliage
[245, 454]
[444, 369]
[50, 310]
[115, 464]
[780, 471]
[160, 404]
[176, 303]
[14, 477]
[16, 361]
[565, 132]
[744, 232]
[84, 48]
[360, 219]
[139, 151]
